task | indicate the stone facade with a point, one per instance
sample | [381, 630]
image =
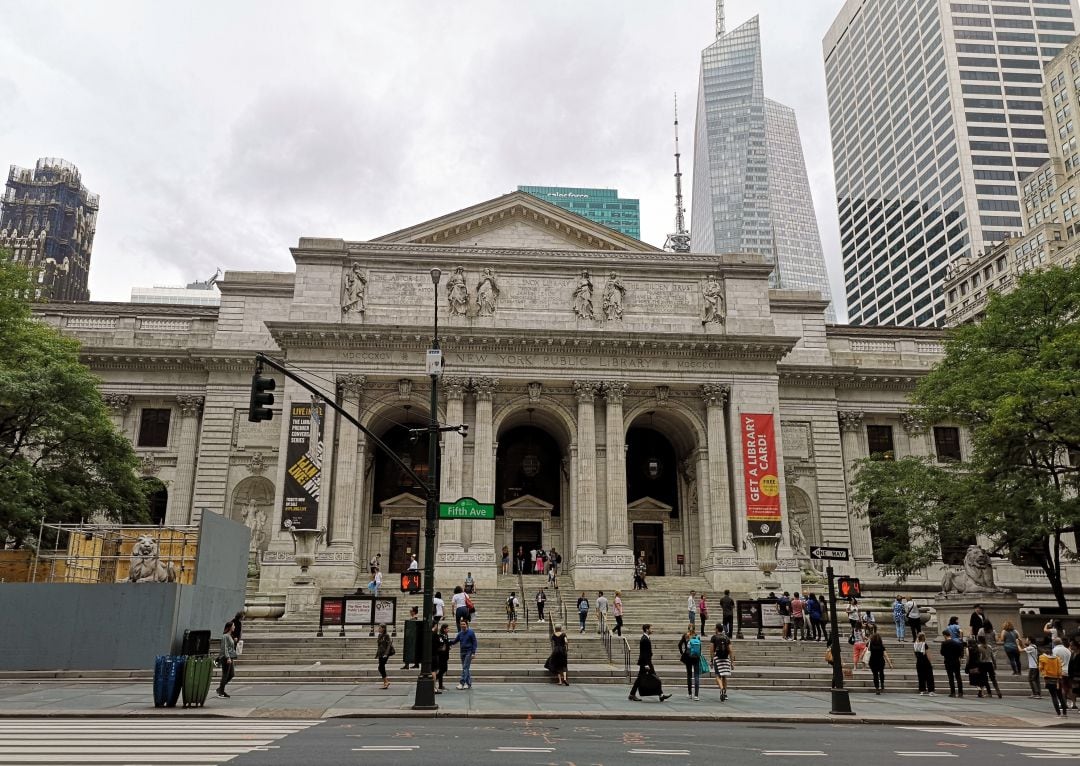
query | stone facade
[596, 436]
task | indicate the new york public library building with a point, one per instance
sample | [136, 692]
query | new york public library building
[620, 400]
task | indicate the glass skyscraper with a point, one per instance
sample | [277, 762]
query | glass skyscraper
[601, 205]
[935, 113]
[751, 191]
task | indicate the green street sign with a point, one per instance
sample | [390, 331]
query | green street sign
[466, 508]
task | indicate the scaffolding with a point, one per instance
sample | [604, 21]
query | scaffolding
[101, 553]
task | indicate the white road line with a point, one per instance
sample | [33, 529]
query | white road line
[523, 750]
[386, 748]
[792, 752]
[1050, 743]
[641, 751]
[925, 754]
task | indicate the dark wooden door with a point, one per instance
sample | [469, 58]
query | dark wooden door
[404, 541]
[649, 541]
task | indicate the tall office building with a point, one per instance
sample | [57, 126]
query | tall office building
[751, 191]
[47, 221]
[601, 205]
[936, 115]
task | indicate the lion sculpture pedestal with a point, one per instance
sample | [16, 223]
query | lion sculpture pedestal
[973, 584]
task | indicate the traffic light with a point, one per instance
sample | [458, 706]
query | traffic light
[259, 407]
[410, 582]
[849, 587]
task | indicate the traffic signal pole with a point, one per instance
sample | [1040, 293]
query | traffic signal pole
[841, 701]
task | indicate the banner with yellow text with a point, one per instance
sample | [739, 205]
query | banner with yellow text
[303, 468]
[761, 476]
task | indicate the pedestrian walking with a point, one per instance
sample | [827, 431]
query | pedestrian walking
[375, 564]
[807, 620]
[440, 653]
[460, 603]
[923, 667]
[226, 659]
[438, 607]
[854, 618]
[1010, 639]
[879, 658]
[512, 606]
[1051, 672]
[987, 665]
[558, 660]
[975, 675]
[601, 612]
[727, 607]
[703, 611]
[504, 562]
[952, 652]
[913, 616]
[647, 682]
[414, 565]
[723, 659]
[642, 570]
[899, 618]
[783, 608]
[541, 601]
[690, 654]
[519, 561]
[1031, 651]
[417, 648]
[384, 650]
[1065, 657]
[858, 649]
[582, 610]
[813, 611]
[376, 583]
[798, 609]
[616, 612]
[691, 608]
[466, 638]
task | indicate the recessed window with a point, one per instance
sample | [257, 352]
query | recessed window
[879, 440]
[947, 443]
[154, 427]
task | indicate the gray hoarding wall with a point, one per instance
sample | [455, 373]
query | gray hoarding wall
[123, 626]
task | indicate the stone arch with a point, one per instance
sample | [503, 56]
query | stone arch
[548, 414]
[683, 427]
[379, 414]
[252, 504]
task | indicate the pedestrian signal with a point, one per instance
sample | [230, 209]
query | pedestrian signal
[410, 582]
[849, 587]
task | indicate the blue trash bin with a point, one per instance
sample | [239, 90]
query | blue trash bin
[160, 697]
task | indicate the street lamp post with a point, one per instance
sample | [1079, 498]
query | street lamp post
[425, 682]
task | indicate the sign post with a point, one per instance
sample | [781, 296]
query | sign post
[841, 702]
[822, 553]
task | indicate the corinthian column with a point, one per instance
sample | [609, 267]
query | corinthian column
[585, 513]
[187, 447]
[483, 532]
[345, 510]
[617, 526]
[718, 510]
[853, 447]
[450, 468]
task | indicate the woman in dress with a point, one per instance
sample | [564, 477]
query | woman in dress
[923, 667]
[384, 649]
[723, 661]
[557, 661]
[879, 658]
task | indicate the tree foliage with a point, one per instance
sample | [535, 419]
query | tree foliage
[61, 458]
[1013, 379]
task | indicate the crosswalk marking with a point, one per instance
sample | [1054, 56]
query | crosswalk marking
[122, 741]
[1049, 743]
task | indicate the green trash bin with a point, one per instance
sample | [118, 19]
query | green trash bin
[409, 655]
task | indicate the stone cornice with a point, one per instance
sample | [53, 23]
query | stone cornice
[270, 283]
[402, 338]
[798, 301]
[167, 359]
[849, 377]
[126, 309]
[888, 332]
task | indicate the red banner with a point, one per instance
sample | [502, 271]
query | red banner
[761, 474]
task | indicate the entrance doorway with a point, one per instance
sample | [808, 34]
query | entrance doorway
[528, 535]
[404, 542]
[649, 540]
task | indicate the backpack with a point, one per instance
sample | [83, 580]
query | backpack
[583, 605]
[723, 648]
[694, 647]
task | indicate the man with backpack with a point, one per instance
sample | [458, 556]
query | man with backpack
[582, 610]
[512, 606]
[723, 659]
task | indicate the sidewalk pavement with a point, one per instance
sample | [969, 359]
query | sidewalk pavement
[518, 700]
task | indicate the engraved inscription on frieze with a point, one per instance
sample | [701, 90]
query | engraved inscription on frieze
[400, 290]
[796, 438]
[247, 434]
[662, 298]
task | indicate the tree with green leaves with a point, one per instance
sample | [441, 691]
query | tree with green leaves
[61, 458]
[1013, 379]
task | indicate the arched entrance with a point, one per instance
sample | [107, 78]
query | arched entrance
[530, 486]
[397, 501]
[652, 494]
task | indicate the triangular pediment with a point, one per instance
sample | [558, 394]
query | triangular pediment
[527, 503]
[404, 501]
[520, 221]
[647, 504]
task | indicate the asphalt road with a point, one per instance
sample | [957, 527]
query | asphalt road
[119, 741]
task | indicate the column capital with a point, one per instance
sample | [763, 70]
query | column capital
[715, 394]
[118, 404]
[913, 424]
[484, 388]
[350, 383]
[454, 386]
[190, 405]
[850, 420]
[615, 390]
[586, 390]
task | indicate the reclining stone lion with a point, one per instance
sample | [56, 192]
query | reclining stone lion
[146, 564]
[977, 576]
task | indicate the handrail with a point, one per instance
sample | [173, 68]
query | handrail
[626, 656]
[524, 601]
[605, 639]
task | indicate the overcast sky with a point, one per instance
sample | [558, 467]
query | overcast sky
[218, 133]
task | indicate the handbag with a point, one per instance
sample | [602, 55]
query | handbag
[828, 657]
[392, 651]
[703, 664]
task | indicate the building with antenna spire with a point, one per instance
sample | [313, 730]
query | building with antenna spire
[679, 241]
[751, 190]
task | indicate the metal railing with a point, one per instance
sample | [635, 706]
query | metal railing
[605, 640]
[626, 656]
[524, 601]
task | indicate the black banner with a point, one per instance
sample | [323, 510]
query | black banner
[303, 473]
